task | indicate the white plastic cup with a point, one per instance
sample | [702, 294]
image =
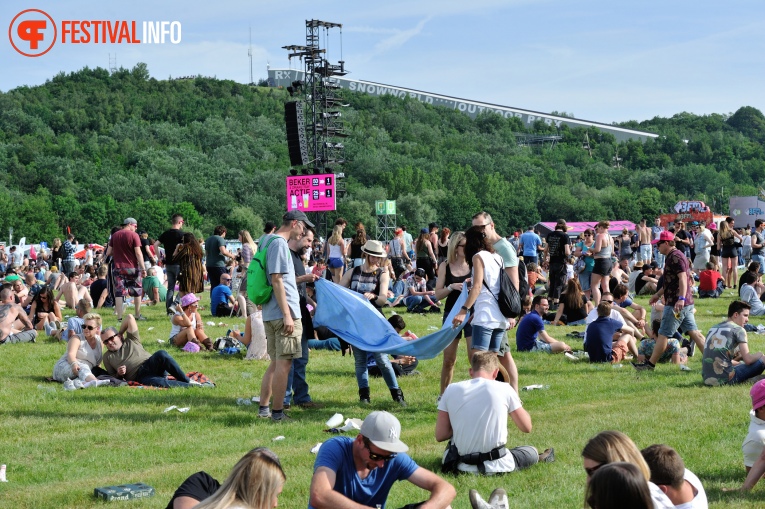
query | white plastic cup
[335, 421]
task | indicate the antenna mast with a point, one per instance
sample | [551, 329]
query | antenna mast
[249, 52]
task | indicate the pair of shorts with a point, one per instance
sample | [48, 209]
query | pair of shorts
[602, 266]
[127, 282]
[670, 324]
[467, 330]
[729, 252]
[335, 263]
[486, 339]
[541, 346]
[618, 351]
[647, 345]
[279, 346]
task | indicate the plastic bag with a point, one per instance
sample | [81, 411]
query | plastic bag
[257, 348]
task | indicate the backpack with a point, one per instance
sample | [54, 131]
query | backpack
[508, 298]
[523, 277]
[259, 290]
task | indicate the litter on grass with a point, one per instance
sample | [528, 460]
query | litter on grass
[173, 407]
[280, 437]
[534, 387]
[315, 448]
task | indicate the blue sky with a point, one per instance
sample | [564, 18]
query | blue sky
[600, 60]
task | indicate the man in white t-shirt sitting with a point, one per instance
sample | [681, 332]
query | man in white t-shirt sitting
[473, 414]
[755, 438]
[629, 322]
[668, 472]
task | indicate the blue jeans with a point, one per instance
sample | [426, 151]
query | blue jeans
[362, 375]
[486, 339]
[759, 258]
[297, 377]
[154, 371]
[744, 372]
[416, 304]
[172, 276]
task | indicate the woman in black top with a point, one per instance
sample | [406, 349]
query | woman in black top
[358, 241]
[443, 245]
[574, 303]
[451, 277]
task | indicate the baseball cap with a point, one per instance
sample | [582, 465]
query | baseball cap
[188, 299]
[424, 230]
[383, 430]
[758, 394]
[130, 220]
[664, 237]
[297, 215]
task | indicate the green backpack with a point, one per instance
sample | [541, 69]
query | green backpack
[259, 290]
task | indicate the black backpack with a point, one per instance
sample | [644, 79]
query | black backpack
[509, 299]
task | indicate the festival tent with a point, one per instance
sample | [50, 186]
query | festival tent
[350, 316]
[575, 229]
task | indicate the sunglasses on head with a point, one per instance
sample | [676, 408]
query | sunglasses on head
[377, 457]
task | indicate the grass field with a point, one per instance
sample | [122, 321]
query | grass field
[60, 445]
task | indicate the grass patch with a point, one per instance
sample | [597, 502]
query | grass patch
[59, 445]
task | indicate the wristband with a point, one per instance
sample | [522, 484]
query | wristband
[681, 298]
[464, 308]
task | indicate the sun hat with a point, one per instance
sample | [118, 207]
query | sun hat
[373, 248]
[383, 430]
[188, 299]
[712, 225]
[758, 394]
[664, 237]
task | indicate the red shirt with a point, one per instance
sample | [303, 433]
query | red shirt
[708, 280]
[123, 245]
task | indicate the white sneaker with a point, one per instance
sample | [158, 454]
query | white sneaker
[498, 499]
[570, 356]
[683, 367]
[477, 502]
[195, 383]
[78, 383]
[69, 386]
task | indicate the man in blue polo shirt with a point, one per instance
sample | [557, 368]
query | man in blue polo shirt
[363, 469]
[530, 245]
[531, 336]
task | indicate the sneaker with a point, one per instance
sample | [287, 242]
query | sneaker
[570, 356]
[171, 309]
[286, 406]
[69, 386]
[194, 383]
[56, 325]
[264, 412]
[691, 348]
[548, 456]
[498, 499]
[77, 383]
[140, 317]
[282, 417]
[476, 502]
[643, 366]
[683, 367]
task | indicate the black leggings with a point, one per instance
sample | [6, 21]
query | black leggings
[427, 265]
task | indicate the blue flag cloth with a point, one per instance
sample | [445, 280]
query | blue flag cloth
[350, 315]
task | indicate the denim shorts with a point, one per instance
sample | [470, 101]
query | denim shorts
[685, 323]
[486, 339]
[541, 346]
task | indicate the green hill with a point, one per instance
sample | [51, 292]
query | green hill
[89, 148]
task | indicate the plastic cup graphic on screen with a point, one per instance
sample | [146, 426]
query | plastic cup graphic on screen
[305, 201]
[294, 203]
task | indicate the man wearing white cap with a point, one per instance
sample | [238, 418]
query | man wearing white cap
[360, 472]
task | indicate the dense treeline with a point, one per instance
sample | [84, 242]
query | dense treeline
[90, 148]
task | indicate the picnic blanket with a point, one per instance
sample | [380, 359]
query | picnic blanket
[351, 317]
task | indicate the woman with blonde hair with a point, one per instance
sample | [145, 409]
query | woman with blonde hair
[451, 277]
[726, 245]
[602, 252]
[612, 447]
[336, 258]
[255, 482]
[83, 353]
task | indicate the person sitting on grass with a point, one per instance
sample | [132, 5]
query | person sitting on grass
[754, 443]
[73, 291]
[619, 484]
[668, 472]
[472, 415]
[606, 342]
[622, 298]
[629, 322]
[751, 291]
[417, 297]
[45, 312]
[674, 353]
[710, 283]
[83, 355]
[126, 359]
[646, 282]
[222, 301]
[153, 287]
[752, 267]
[718, 364]
[531, 336]
[188, 326]
[574, 304]
[9, 313]
[403, 365]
